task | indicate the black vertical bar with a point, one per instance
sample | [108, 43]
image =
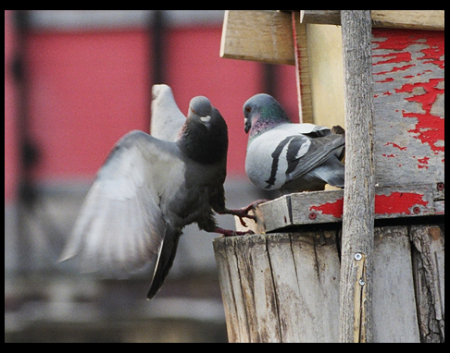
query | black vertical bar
[158, 29]
[269, 81]
[28, 152]
[157, 32]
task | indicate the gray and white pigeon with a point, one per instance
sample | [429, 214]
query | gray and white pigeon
[290, 157]
[167, 119]
[147, 191]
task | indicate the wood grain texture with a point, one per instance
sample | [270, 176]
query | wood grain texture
[394, 305]
[429, 279]
[359, 191]
[288, 283]
[302, 71]
[419, 19]
[264, 36]
[283, 287]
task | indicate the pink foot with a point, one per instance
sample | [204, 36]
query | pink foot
[230, 233]
[243, 212]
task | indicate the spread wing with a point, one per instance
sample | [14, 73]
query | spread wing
[120, 227]
[167, 119]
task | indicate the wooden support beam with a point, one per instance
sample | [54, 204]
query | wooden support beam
[432, 20]
[302, 70]
[359, 192]
[318, 207]
[264, 36]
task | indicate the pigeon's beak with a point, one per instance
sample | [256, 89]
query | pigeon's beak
[247, 124]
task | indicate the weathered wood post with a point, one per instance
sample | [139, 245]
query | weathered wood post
[359, 192]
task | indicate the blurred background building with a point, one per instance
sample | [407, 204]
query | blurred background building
[75, 82]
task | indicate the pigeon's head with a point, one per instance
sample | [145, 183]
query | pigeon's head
[201, 111]
[262, 112]
[204, 136]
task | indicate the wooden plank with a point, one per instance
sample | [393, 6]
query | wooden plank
[264, 36]
[233, 299]
[355, 320]
[409, 95]
[258, 289]
[429, 280]
[327, 206]
[289, 283]
[275, 40]
[326, 74]
[302, 70]
[394, 306]
[419, 19]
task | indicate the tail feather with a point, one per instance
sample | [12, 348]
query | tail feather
[165, 261]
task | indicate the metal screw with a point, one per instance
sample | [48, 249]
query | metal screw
[312, 216]
[416, 210]
[358, 256]
[361, 282]
[440, 186]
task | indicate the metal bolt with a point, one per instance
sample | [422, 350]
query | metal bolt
[361, 282]
[358, 256]
[416, 210]
[312, 215]
[440, 186]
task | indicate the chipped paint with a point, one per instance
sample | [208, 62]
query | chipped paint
[330, 208]
[396, 203]
[408, 69]
[395, 145]
[429, 128]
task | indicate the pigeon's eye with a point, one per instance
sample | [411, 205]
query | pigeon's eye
[248, 109]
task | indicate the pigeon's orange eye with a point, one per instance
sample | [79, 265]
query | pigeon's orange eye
[248, 109]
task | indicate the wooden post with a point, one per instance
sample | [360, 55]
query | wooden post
[359, 192]
[302, 70]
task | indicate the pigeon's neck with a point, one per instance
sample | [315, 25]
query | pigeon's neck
[202, 145]
[267, 120]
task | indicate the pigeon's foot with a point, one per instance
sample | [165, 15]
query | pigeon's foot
[231, 233]
[243, 212]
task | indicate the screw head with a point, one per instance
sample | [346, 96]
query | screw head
[361, 282]
[440, 186]
[312, 216]
[416, 210]
[358, 256]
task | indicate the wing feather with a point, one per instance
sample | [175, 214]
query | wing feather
[167, 118]
[301, 161]
[120, 227]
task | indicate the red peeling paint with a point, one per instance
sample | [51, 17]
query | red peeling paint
[395, 145]
[435, 52]
[424, 162]
[429, 127]
[397, 57]
[395, 203]
[426, 99]
[331, 208]
[398, 202]
[389, 79]
[389, 155]
[397, 68]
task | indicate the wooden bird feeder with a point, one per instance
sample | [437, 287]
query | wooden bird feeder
[381, 75]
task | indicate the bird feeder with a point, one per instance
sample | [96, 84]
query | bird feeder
[294, 280]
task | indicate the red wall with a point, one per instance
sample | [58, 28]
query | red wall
[11, 157]
[89, 88]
